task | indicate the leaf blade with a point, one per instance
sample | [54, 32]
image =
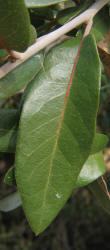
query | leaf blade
[101, 197]
[13, 16]
[45, 184]
[10, 202]
[93, 168]
[99, 143]
[10, 177]
[41, 3]
[8, 129]
[21, 76]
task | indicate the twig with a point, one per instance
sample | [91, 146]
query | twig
[44, 41]
[58, 41]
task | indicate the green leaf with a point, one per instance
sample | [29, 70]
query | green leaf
[8, 127]
[66, 15]
[33, 35]
[10, 202]
[99, 143]
[101, 24]
[41, 3]
[100, 195]
[39, 14]
[93, 168]
[10, 177]
[14, 25]
[65, 5]
[21, 76]
[56, 134]
[3, 53]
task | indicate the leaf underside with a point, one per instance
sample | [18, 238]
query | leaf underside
[10, 202]
[50, 145]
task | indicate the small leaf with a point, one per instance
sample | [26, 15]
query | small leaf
[99, 143]
[101, 24]
[56, 134]
[41, 3]
[10, 177]
[66, 15]
[33, 35]
[21, 76]
[3, 53]
[8, 129]
[10, 202]
[100, 195]
[104, 52]
[93, 168]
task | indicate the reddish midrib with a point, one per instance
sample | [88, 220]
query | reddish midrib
[58, 131]
[69, 86]
[4, 46]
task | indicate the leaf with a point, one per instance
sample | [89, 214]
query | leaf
[99, 143]
[66, 15]
[3, 53]
[14, 25]
[93, 168]
[101, 24]
[10, 202]
[33, 35]
[101, 196]
[8, 123]
[8, 137]
[21, 76]
[104, 52]
[56, 134]
[41, 3]
[10, 177]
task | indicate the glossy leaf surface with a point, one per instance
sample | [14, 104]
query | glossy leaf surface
[56, 134]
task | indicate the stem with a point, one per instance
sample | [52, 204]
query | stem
[44, 41]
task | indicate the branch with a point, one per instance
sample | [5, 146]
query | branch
[44, 41]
